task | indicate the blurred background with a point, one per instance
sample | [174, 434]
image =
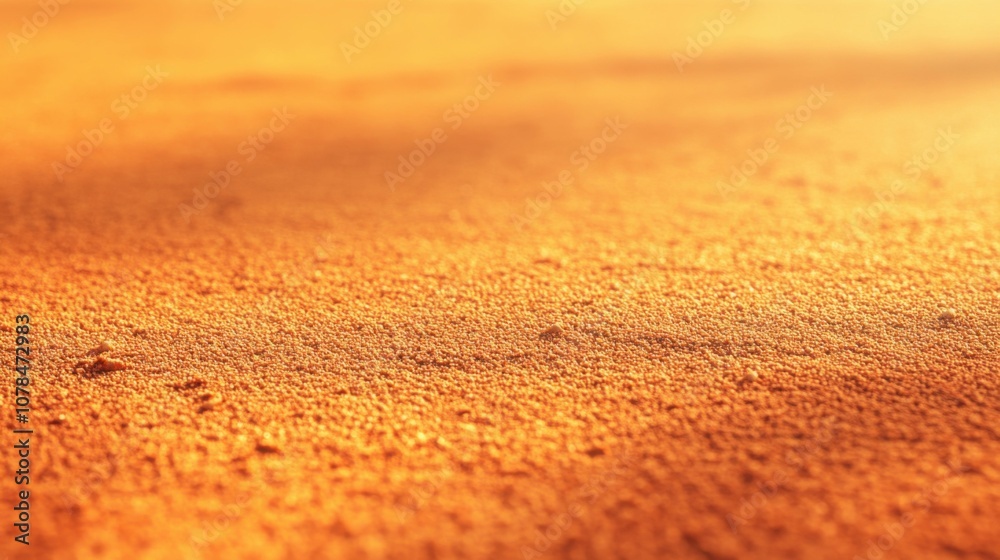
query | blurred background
[564, 66]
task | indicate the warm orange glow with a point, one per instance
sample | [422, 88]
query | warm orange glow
[514, 279]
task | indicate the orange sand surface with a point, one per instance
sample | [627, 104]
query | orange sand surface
[801, 364]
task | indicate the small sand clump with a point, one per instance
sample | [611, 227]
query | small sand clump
[103, 365]
[553, 331]
[102, 348]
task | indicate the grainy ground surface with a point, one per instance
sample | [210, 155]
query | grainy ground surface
[319, 366]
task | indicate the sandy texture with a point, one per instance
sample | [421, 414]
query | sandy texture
[644, 366]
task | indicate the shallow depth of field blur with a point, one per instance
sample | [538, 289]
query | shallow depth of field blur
[354, 324]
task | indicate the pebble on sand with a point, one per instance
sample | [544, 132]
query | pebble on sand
[554, 330]
[948, 315]
[104, 347]
[106, 364]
